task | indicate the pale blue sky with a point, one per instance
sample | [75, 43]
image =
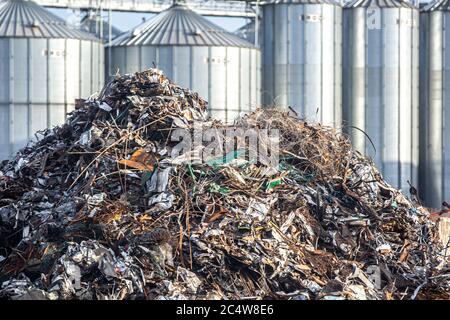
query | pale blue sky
[127, 20]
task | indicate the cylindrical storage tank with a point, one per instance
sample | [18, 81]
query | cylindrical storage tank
[434, 178]
[44, 66]
[194, 53]
[301, 44]
[380, 85]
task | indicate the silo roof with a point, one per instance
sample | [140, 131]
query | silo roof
[179, 26]
[439, 5]
[380, 4]
[22, 18]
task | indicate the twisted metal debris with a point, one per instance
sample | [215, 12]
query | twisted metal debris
[97, 209]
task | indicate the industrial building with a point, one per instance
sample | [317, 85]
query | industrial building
[44, 66]
[380, 85]
[195, 53]
[435, 103]
[301, 64]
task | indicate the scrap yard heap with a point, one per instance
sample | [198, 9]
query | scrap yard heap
[98, 208]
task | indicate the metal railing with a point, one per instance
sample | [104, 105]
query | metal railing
[233, 8]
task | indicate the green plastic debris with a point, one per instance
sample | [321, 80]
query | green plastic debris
[230, 156]
[273, 183]
[215, 188]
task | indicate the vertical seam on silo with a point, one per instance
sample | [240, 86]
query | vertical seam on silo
[415, 101]
[11, 94]
[366, 79]
[91, 43]
[427, 109]
[140, 58]
[250, 83]
[48, 82]
[29, 81]
[209, 80]
[80, 72]
[322, 68]
[303, 64]
[191, 64]
[349, 35]
[173, 64]
[273, 62]
[443, 32]
[411, 95]
[288, 62]
[227, 107]
[65, 79]
[156, 57]
[240, 80]
[398, 85]
[125, 59]
[334, 66]
[383, 86]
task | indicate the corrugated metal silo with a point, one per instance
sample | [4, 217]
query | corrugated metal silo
[44, 67]
[195, 53]
[435, 103]
[302, 47]
[380, 84]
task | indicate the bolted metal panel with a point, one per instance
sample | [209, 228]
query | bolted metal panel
[380, 91]
[222, 68]
[301, 47]
[435, 103]
[39, 82]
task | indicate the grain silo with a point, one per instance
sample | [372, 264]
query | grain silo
[301, 46]
[44, 67]
[380, 84]
[195, 53]
[434, 166]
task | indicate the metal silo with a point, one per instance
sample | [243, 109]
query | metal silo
[195, 53]
[44, 67]
[435, 103]
[380, 84]
[301, 48]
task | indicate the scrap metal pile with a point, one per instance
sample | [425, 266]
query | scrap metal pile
[99, 209]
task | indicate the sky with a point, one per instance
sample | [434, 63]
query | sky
[127, 20]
